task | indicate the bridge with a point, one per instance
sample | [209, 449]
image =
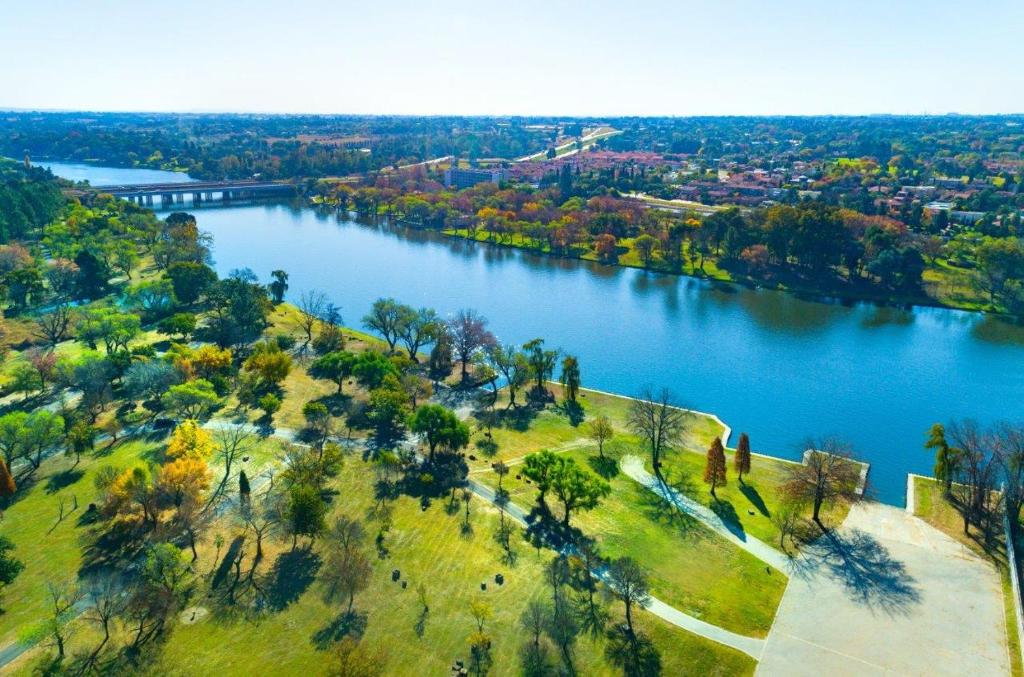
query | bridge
[199, 191]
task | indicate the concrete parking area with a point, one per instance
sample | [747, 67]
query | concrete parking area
[888, 594]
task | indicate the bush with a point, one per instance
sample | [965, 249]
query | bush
[285, 341]
[270, 404]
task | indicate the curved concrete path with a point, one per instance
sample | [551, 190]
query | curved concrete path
[633, 467]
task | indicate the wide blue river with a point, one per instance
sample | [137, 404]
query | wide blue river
[768, 363]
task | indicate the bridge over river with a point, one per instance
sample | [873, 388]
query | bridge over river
[199, 191]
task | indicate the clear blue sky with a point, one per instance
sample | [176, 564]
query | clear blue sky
[572, 58]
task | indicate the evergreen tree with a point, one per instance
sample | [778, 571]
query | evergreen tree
[714, 470]
[741, 461]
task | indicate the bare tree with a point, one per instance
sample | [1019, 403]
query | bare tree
[313, 304]
[828, 474]
[976, 471]
[1010, 457]
[233, 443]
[53, 327]
[469, 333]
[106, 602]
[63, 597]
[659, 420]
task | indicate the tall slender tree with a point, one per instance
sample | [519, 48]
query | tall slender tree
[741, 460]
[570, 377]
[714, 468]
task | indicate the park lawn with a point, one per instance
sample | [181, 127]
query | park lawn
[749, 505]
[931, 505]
[690, 567]
[429, 547]
[52, 551]
[524, 430]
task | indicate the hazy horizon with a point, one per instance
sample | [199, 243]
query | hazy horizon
[573, 60]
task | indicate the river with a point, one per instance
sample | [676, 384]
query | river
[768, 363]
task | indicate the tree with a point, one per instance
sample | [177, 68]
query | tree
[646, 246]
[600, 430]
[149, 379]
[54, 327]
[570, 376]
[154, 298]
[714, 467]
[1009, 454]
[946, 457]
[179, 324]
[81, 438]
[542, 363]
[418, 329]
[627, 580]
[511, 363]
[312, 305]
[469, 334]
[305, 512]
[441, 428]
[269, 363]
[828, 474]
[658, 420]
[388, 410]
[190, 280]
[9, 566]
[577, 488]
[540, 468]
[371, 368]
[166, 569]
[335, 367]
[7, 485]
[741, 459]
[440, 363]
[193, 399]
[93, 374]
[114, 329]
[388, 318]
[105, 604]
[279, 286]
[58, 624]
[999, 261]
[348, 567]
[976, 471]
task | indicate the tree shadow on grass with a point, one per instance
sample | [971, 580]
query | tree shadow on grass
[347, 624]
[865, 567]
[573, 411]
[63, 479]
[665, 513]
[117, 545]
[604, 466]
[224, 568]
[293, 572]
[730, 518]
[516, 418]
[755, 499]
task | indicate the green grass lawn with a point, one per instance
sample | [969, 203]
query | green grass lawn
[52, 551]
[427, 546]
[931, 505]
[690, 566]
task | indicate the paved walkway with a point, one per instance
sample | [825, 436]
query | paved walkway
[887, 594]
[633, 467]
